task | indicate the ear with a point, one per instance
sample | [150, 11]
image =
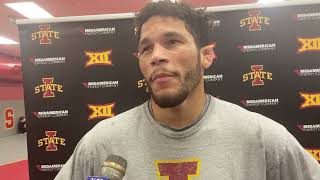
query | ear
[207, 56]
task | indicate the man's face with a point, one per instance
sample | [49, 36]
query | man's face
[169, 60]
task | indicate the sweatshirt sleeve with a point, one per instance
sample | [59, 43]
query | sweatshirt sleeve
[296, 163]
[285, 158]
[93, 149]
[81, 164]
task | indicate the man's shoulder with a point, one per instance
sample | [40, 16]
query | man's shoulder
[243, 119]
[122, 121]
[239, 113]
[223, 105]
[228, 111]
[110, 130]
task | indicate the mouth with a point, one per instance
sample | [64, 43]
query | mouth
[161, 77]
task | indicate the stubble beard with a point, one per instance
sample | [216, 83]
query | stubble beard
[189, 83]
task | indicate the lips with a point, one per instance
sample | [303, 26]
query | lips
[161, 76]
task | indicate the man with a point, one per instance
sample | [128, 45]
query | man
[22, 125]
[183, 133]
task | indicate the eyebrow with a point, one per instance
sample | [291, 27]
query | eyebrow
[172, 34]
[143, 41]
[166, 35]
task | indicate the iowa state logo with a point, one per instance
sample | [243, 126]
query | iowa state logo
[257, 75]
[48, 88]
[45, 35]
[308, 44]
[51, 141]
[143, 84]
[254, 21]
[98, 58]
[310, 100]
[178, 169]
[9, 117]
[101, 111]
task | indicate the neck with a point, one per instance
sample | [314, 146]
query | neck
[184, 114]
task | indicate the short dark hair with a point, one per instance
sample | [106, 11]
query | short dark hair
[197, 21]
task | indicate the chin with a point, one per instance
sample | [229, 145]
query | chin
[167, 99]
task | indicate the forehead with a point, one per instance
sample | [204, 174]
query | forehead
[161, 24]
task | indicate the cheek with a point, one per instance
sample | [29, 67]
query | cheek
[143, 68]
[188, 61]
[190, 54]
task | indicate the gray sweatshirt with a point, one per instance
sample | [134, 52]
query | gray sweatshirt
[227, 143]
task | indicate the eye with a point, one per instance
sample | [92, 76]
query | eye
[145, 49]
[173, 42]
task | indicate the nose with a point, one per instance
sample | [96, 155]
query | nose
[158, 55]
